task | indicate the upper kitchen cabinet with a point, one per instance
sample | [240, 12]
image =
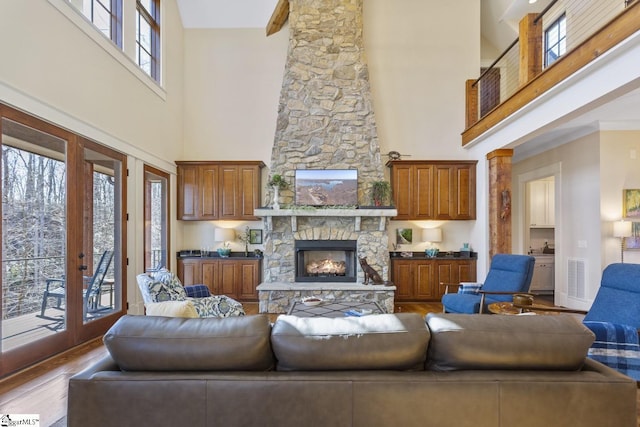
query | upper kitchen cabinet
[218, 190]
[436, 190]
[541, 201]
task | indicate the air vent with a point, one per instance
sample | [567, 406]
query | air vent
[576, 278]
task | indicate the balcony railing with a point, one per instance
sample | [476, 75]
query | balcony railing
[515, 78]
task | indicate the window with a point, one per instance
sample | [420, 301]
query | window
[148, 36]
[555, 40]
[106, 15]
[156, 218]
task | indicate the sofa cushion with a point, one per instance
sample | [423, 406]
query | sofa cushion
[384, 341]
[481, 341]
[172, 309]
[150, 343]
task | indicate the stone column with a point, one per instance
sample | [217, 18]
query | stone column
[499, 201]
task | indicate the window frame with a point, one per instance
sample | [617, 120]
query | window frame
[557, 42]
[152, 18]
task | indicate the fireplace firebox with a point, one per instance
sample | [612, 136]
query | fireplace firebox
[325, 260]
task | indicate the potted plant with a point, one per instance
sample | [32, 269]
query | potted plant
[380, 192]
[225, 250]
[277, 182]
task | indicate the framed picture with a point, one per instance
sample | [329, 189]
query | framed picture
[404, 236]
[633, 242]
[631, 204]
[255, 236]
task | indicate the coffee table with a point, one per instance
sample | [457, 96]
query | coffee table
[333, 308]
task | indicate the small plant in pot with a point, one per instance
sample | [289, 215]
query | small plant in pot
[380, 192]
[278, 183]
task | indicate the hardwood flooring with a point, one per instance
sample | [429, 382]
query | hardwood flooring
[42, 389]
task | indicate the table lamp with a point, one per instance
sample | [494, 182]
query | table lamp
[431, 235]
[622, 229]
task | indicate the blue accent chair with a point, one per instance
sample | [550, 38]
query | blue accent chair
[509, 274]
[614, 317]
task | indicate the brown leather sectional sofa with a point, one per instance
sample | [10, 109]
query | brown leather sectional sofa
[378, 370]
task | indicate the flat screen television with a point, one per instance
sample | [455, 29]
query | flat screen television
[326, 187]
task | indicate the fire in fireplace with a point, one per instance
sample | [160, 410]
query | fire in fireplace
[325, 260]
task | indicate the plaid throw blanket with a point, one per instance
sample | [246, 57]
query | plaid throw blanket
[469, 288]
[197, 291]
[616, 346]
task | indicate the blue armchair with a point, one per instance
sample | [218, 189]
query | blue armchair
[614, 317]
[509, 274]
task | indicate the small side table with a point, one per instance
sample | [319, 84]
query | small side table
[504, 308]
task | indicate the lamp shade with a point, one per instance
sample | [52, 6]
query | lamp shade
[224, 234]
[432, 234]
[622, 228]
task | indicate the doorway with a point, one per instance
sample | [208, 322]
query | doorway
[62, 239]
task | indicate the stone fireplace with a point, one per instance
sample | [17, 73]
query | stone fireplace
[325, 121]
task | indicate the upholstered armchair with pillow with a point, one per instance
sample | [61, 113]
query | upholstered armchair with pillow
[163, 286]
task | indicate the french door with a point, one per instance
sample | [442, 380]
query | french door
[62, 239]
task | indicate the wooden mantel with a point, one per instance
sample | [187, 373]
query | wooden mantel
[357, 214]
[279, 17]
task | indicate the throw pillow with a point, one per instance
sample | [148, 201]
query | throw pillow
[172, 309]
[170, 280]
[156, 291]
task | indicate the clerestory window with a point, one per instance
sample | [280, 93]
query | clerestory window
[106, 16]
[148, 37]
[555, 40]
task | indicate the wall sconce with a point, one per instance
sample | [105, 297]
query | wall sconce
[431, 236]
[622, 229]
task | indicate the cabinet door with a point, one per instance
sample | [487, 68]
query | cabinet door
[249, 280]
[424, 279]
[229, 191]
[228, 278]
[188, 192]
[189, 272]
[401, 183]
[402, 278]
[210, 274]
[464, 192]
[208, 179]
[444, 195]
[249, 194]
[454, 272]
[422, 192]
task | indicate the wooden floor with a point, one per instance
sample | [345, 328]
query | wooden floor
[42, 389]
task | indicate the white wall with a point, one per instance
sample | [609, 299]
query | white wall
[419, 54]
[622, 149]
[55, 65]
[578, 225]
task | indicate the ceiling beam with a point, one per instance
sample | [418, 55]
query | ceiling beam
[278, 18]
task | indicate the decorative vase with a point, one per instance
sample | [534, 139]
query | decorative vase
[276, 197]
[224, 252]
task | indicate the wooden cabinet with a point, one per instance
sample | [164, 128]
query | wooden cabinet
[437, 190]
[235, 278]
[418, 279]
[218, 190]
[541, 202]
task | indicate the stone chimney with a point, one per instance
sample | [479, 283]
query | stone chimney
[325, 121]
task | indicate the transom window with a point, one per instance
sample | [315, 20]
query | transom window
[148, 36]
[106, 15]
[555, 40]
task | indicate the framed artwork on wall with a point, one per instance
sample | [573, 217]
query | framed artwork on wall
[255, 236]
[404, 236]
[631, 204]
[633, 242]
